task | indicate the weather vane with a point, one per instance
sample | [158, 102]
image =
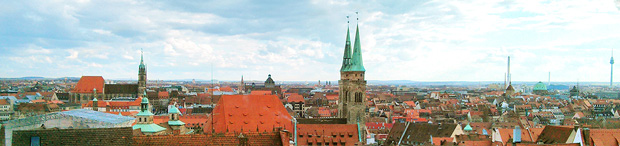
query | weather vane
[357, 15]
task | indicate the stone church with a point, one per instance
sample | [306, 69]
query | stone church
[352, 94]
[90, 87]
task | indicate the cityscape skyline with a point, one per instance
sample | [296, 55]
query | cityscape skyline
[418, 41]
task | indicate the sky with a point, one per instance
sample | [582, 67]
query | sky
[304, 40]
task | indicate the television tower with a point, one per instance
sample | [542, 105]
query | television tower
[611, 79]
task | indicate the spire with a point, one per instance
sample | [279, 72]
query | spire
[347, 51]
[141, 59]
[357, 63]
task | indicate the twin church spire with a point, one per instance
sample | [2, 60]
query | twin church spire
[352, 61]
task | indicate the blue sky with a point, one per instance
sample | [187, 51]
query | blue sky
[304, 40]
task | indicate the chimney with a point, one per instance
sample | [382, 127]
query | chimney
[586, 136]
[516, 135]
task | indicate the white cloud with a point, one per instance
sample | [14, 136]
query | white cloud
[301, 40]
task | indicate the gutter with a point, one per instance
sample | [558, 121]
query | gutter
[403, 135]
[359, 132]
[295, 123]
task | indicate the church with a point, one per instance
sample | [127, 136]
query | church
[91, 87]
[351, 117]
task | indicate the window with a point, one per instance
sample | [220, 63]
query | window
[35, 141]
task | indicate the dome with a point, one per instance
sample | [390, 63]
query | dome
[269, 80]
[145, 100]
[540, 86]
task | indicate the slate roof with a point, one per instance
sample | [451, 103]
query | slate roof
[418, 133]
[98, 116]
[555, 134]
[76, 137]
[121, 89]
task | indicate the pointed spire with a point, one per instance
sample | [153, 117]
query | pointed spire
[357, 63]
[142, 59]
[346, 59]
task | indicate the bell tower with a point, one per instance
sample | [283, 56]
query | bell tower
[352, 84]
[141, 74]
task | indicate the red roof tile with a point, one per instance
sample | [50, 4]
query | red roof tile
[189, 120]
[604, 137]
[327, 134]
[235, 113]
[295, 98]
[260, 92]
[332, 97]
[88, 83]
[163, 95]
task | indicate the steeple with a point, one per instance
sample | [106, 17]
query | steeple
[356, 60]
[141, 74]
[141, 60]
[346, 59]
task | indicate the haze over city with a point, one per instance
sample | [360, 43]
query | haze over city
[303, 40]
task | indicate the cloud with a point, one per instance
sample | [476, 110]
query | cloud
[304, 40]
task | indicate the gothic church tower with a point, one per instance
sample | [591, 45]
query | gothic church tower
[141, 74]
[351, 104]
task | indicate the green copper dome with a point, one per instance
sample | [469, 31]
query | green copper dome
[540, 86]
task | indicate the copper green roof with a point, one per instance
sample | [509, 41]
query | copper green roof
[176, 123]
[468, 128]
[540, 86]
[148, 128]
[347, 53]
[357, 63]
[174, 110]
[144, 113]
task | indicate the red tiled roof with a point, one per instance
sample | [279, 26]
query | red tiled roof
[4, 102]
[378, 125]
[327, 134]
[295, 98]
[604, 137]
[332, 97]
[260, 92]
[226, 89]
[88, 83]
[228, 139]
[189, 120]
[235, 113]
[55, 102]
[163, 95]
[37, 101]
[324, 112]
